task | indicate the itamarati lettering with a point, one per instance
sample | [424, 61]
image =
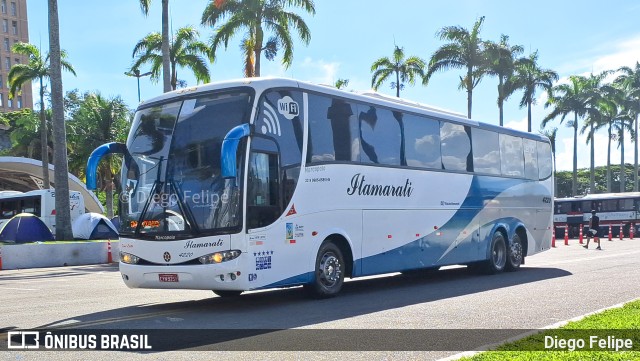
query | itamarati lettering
[191, 244]
[360, 187]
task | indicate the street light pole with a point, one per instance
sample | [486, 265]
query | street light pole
[136, 73]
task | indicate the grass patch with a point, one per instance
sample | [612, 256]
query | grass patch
[621, 323]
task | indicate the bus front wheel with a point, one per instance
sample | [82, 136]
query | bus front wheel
[328, 276]
[497, 255]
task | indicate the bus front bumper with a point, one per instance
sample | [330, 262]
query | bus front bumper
[223, 276]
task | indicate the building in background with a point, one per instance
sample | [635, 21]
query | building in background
[13, 29]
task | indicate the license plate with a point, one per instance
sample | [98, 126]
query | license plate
[168, 277]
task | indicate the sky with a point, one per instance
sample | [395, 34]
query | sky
[572, 38]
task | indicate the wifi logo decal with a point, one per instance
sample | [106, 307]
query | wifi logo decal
[271, 123]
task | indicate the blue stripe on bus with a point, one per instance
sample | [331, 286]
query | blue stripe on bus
[427, 251]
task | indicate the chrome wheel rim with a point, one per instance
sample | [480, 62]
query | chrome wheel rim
[516, 253]
[330, 270]
[499, 255]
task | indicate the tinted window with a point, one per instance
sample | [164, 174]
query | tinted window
[512, 159]
[333, 130]
[544, 160]
[422, 142]
[380, 135]
[530, 159]
[280, 117]
[486, 151]
[455, 146]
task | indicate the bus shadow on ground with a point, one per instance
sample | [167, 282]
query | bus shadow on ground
[227, 323]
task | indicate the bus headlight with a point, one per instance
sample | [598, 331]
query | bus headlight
[219, 257]
[128, 258]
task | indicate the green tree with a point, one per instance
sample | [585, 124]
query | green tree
[185, 51]
[529, 77]
[341, 83]
[465, 50]
[630, 80]
[566, 99]
[501, 62]
[98, 120]
[593, 93]
[60, 174]
[166, 75]
[24, 133]
[36, 69]
[405, 70]
[256, 17]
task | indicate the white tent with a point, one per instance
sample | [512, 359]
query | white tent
[94, 226]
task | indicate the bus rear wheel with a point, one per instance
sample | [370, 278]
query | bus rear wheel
[497, 255]
[328, 275]
[514, 256]
[228, 294]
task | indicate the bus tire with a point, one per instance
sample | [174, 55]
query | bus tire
[514, 254]
[227, 294]
[328, 275]
[497, 254]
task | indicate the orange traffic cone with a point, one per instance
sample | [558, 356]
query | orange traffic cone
[566, 235]
[610, 235]
[621, 232]
[631, 231]
[580, 236]
[109, 257]
[553, 237]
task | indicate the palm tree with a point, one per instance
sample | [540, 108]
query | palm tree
[37, 69]
[630, 80]
[96, 121]
[166, 78]
[530, 77]
[501, 62]
[552, 135]
[61, 173]
[567, 99]
[464, 51]
[405, 70]
[593, 93]
[185, 51]
[341, 83]
[255, 17]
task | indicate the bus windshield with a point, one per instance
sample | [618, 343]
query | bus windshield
[172, 183]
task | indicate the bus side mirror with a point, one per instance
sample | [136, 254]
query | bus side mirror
[230, 148]
[96, 156]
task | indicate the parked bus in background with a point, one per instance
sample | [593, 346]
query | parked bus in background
[614, 209]
[41, 203]
[263, 183]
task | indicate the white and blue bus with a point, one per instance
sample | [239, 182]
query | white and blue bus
[263, 183]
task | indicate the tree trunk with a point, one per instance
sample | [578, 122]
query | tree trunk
[635, 156]
[44, 140]
[529, 116]
[469, 92]
[61, 175]
[174, 77]
[258, 50]
[592, 176]
[623, 173]
[166, 66]
[500, 101]
[609, 162]
[397, 84]
[574, 183]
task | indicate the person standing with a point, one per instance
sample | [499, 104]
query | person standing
[594, 226]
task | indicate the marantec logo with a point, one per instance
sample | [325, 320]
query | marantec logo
[360, 187]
